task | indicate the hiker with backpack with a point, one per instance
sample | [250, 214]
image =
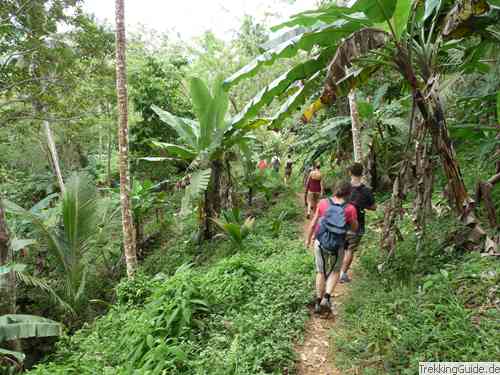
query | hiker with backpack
[333, 218]
[361, 198]
[288, 168]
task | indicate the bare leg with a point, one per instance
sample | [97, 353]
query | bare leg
[333, 278]
[347, 261]
[320, 284]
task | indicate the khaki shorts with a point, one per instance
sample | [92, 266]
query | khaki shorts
[353, 241]
[326, 262]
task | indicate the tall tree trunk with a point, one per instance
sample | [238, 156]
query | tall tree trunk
[54, 157]
[53, 154]
[356, 127]
[7, 280]
[110, 143]
[121, 92]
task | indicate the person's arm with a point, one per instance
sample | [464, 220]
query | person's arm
[312, 227]
[354, 225]
[353, 218]
[321, 185]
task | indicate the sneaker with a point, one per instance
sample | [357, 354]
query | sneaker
[330, 305]
[317, 307]
[344, 278]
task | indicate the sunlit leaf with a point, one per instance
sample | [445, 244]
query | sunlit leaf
[401, 15]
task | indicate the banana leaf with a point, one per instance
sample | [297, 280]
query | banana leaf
[322, 36]
[19, 326]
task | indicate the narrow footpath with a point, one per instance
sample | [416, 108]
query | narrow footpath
[313, 355]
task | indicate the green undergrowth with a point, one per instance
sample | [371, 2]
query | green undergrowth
[439, 305]
[236, 312]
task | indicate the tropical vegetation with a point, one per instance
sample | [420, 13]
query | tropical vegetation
[138, 235]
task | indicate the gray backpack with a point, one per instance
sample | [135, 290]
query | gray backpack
[332, 228]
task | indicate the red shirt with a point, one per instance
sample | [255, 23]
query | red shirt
[351, 214]
[314, 186]
[262, 165]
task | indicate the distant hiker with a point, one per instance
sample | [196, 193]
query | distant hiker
[276, 163]
[288, 168]
[262, 165]
[314, 189]
[333, 218]
[362, 198]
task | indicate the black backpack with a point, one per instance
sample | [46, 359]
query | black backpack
[332, 228]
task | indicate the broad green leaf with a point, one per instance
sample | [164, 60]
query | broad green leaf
[401, 15]
[18, 326]
[273, 43]
[221, 103]
[430, 7]
[300, 72]
[177, 150]
[203, 104]
[311, 18]
[376, 10]
[323, 36]
[296, 100]
[185, 128]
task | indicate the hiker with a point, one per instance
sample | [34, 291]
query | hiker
[288, 168]
[314, 189]
[276, 163]
[262, 165]
[362, 198]
[329, 226]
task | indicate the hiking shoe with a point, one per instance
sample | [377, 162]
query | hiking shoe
[344, 278]
[330, 305]
[317, 307]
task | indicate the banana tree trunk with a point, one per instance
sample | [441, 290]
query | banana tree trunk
[356, 127]
[212, 203]
[129, 244]
[7, 280]
[431, 110]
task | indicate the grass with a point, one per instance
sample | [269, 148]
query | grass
[233, 311]
[440, 305]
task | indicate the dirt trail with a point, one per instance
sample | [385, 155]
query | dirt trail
[314, 357]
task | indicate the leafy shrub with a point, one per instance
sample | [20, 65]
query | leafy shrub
[235, 226]
[437, 305]
[237, 315]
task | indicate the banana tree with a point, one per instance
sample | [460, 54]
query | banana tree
[380, 33]
[203, 144]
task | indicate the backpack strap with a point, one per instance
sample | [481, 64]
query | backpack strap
[332, 203]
